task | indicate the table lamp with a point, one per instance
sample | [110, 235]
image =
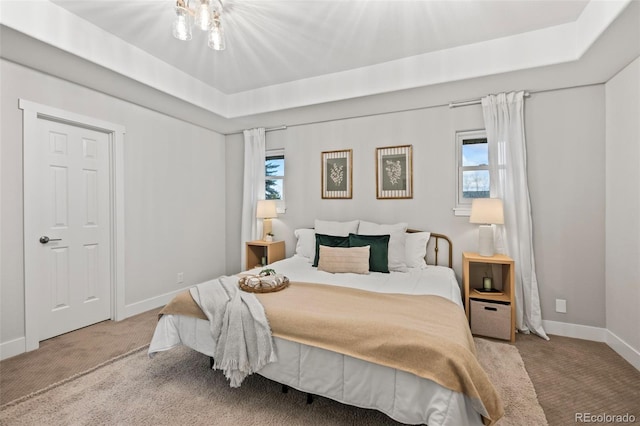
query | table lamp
[266, 210]
[487, 212]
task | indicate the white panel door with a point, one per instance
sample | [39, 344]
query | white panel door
[67, 253]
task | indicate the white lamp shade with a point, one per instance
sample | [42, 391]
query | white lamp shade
[487, 211]
[266, 209]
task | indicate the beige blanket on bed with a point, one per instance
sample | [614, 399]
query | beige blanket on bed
[424, 335]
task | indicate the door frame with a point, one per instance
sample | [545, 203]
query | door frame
[32, 112]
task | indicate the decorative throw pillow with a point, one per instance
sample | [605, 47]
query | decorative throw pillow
[378, 257]
[397, 234]
[416, 249]
[342, 229]
[306, 243]
[329, 241]
[342, 259]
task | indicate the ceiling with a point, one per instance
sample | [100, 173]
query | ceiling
[288, 54]
[279, 41]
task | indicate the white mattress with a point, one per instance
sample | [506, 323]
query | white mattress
[402, 396]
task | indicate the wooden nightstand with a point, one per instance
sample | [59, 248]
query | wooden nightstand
[271, 251]
[491, 315]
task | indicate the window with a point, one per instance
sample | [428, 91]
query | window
[473, 169]
[274, 179]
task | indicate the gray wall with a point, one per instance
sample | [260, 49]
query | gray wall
[234, 178]
[174, 193]
[623, 205]
[565, 138]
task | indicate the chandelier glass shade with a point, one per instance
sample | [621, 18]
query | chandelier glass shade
[207, 15]
[216, 38]
[182, 24]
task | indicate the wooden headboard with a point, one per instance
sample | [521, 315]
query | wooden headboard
[434, 245]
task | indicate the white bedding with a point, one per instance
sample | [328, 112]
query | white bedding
[402, 396]
[435, 280]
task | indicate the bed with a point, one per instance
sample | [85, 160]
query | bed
[403, 396]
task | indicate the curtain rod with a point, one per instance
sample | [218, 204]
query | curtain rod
[271, 129]
[474, 102]
[450, 105]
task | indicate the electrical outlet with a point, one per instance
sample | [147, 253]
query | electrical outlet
[561, 306]
[180, 277]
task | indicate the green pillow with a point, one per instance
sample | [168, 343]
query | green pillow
[379, 252]
[329, 241]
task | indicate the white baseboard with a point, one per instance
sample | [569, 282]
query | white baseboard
[624, 349]
[12, 348]
[151, 303]
[596, 334]
[578, 331]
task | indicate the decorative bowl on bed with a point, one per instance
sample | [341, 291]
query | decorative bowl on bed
[263, 282]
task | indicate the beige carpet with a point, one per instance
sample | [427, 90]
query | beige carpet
[505, 368]
[579, 376]
[177, 387]
[63, 356]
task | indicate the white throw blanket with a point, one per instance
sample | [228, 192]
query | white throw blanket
[238, 325]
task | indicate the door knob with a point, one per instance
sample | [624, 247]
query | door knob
[45, 239]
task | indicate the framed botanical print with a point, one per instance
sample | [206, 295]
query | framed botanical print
[337, 174]
[394, 172]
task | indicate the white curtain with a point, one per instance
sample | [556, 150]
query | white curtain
[254, 173]
[504, 121]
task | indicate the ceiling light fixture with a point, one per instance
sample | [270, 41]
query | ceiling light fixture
[208, 17]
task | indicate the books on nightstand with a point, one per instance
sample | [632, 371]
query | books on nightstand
[492, 291]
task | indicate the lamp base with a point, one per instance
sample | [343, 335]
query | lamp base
[485, 241]
[266, 228]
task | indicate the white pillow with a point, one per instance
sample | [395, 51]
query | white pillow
[344, 260]
[306, 244]
[336, 229]
[397, 233]
[416, 249]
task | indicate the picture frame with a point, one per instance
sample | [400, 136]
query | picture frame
[337, 174]
[394, 172]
